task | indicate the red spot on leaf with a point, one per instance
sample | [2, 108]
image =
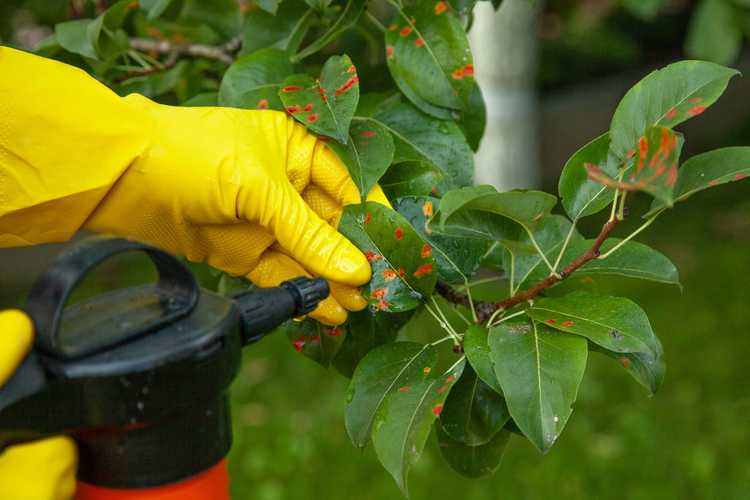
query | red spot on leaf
[293, 109]
[307, 108]
[291, 88]
[323, 138]
[372, 256]
[368, 218]
[422, 270]
[334, 332]
[382, 305]
[419, 42]
[367, 133]
[262, 104]
[351, 82]
[550, 321]
[405, 31]
[739, 177]
[696, 110]
[469, 70]
[714, 182]
[440, 7]
[389, 51]
[426, 370]
[299, 344]
[379, 293]
[405, 388]
[631, 153]
[427, 209]
[399, 233]
[696, 100]
[389, 274]
[426, 251]
[437, 410]
[671, 114]
[401, 272]
[625, 362]
[567, 324]
[313, 117]
[464, 71]
[351, 69]
[449, 379]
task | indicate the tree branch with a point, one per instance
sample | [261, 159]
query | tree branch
[485, 309]
[224, 53]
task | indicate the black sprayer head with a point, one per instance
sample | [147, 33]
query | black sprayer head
[138, 376]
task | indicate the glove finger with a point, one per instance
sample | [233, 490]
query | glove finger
[348, 296]
[18, 335]
[329, 209]
[377, 195]
[275, 267]
[233, 248]
[306, 237]
[332, 176]
[44, 469]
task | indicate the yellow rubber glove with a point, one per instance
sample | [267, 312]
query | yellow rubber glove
[218, 185]
[44, 470]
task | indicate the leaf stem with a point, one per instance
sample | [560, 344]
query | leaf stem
[512, 272]
[621, 211]
[539, 251]
[643, 226]
[471, 300]
[506, 318]
[494, 315]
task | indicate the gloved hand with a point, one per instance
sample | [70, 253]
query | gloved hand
[44, 470]
[218, 185]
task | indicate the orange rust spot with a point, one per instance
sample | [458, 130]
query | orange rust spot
[422, 270]
[671, 114]
[469, 70]
[372, 256]
[291, 88]
[399, 233]
[378, 294]
[367, 133]
[714, 182]
[449, 379]
[696, 100]
[368, 218]
[307, 108]
[389, 274]
[550, 321]
[351, 69]
[382, 305]
[426, 370]
[405, 31]
[464, 71]
[401, 272]
[293, 109]
[351, 82]
[739, 177]
[404, 388]
[696, 110]
[389, 51]
[262, 104]
[567, 324]
[313, 117]
[437, 410]
[299, 344]
[625, 362]
[334, 332]
[440, 7]
[419, 42]
[630, 153]
[427, 209]
[426, 251]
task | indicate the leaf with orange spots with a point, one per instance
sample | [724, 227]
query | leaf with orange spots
[253, 81]
[647, 369]
[314, 340]
[384, 370]
[404, 421]
[389, 236]
[431, 60]
[325, 106]
[666, 97]
[539, 370]
[708, 170]
[367, 155]
[472, 461]
[614, 323]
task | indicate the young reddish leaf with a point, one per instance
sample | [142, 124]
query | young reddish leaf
[472, 461]
[253, 81]
[325, 106]
[429, 58]
[401, 276]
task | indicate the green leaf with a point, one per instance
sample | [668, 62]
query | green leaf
[632, 260]
[615, 323]
[429, 58]
[472, 461]
[73, 36]
[347, 18]
[223, 16]
[325, 106]
[367, 154]
[580, 195]
[410, 178]
[644, 9]
[270, 6]
[525, 208]
[154, 8]
[284, 30]
[404, 420]
[457, 258]
[318, 342]
[539, 370]
[367, 330]
[666, 97]
[474, 413]
[420, 137]
[386, 369]
[253, 81]
[474, 119]
[714, 33]
[157, 84]
[653, 168]
[477, 349]
[707, 170]
[203, 99]
[647, 369]
[402, 273]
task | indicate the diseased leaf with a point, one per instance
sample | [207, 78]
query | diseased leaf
[402, 272]
[474, 413]
[367, 330]
[350, 12]
[457, 258]
[580, 195]
[429, 58]
[714, 33]
[539, 370]
[386, 369]
[325, 106]
[253, 81]
[648, 370]
[472, 461]
[525, 208]
[284, 30]
[410, 178]
[477, 349]
[368, 153]
[422, 138]
[632, 260]
[318, 342]
[615, 323]
[404, 420]
[654, 167]
[666, 97]
[707, 170]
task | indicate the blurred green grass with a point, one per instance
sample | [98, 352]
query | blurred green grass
[690, 441]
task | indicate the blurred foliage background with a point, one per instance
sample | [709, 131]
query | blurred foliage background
[690, 441]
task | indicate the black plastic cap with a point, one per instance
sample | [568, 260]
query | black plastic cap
[307, 293]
